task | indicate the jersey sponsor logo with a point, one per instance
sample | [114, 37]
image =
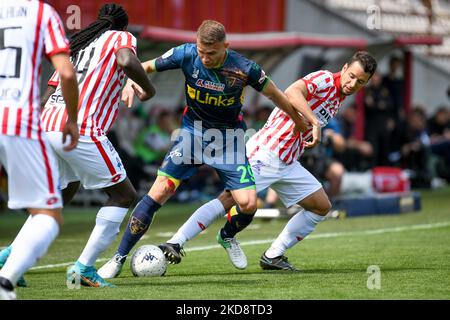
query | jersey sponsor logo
[206, 98]
[116, 178]
[201, 225]
[195, 73]
[52, 200]
[324, 116]
[230, 81]
[56, 99]
[137, 226]
[210, 85]
[119, 163]
[174, 153]
[235, 73]
[262, 78]
[10, 93]
[111, 148]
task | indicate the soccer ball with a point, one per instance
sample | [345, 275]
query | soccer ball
[148, 261]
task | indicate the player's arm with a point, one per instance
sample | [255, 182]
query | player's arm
[69, 88]
[272, 92]
[297, 94]
[149, 66]
[141, 85]
[48, 93]
[132, 87]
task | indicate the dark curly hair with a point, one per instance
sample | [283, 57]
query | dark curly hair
[110, 17]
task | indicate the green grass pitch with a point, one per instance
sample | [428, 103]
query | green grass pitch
[411, 249]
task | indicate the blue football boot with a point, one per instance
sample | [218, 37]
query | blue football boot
[86, 276]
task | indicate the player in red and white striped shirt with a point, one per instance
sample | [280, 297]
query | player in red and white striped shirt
[28, 30]
[103, 53]
[273, 153]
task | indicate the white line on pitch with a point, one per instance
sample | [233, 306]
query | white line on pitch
[311, 237]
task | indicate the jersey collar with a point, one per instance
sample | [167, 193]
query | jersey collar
[337, 84]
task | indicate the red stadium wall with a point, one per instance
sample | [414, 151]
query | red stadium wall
[237, 15]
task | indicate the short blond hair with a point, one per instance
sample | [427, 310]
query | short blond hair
[211, 32]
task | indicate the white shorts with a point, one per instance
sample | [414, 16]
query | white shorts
[292, 182]
[95, 163]
[32, 173]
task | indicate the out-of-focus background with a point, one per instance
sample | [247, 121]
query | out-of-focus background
[384, 161]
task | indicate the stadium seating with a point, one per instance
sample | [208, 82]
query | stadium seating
[400, 17]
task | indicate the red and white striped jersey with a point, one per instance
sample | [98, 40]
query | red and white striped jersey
[323, 97]
[27, 30]
[100, 82]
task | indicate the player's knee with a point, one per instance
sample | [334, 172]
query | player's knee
[336, 171]
[323, 208]
[165, 187]
[248, 206]
[227, 200]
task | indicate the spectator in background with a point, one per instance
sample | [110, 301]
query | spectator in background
[414, 144]
[379, 119]
[320, 160]
[394, 83]
[153, 141]
[260, 116]
[439, 131]
[357, 154]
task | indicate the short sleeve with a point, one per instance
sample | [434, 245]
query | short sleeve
[55, 40]
[317, 81]
[125, 40]
[54, 79]
[172, 59]
[257, 77]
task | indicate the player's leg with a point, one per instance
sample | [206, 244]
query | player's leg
[169, 178]
[67, 194]
[4, 254]
[70, 191]
[96, 165]
[302, 188]
[201, 219]
[109, 218]
[32, 185]
[239, 179]
[239, 217]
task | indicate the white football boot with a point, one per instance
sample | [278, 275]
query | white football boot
[234, 251]
[112, 268]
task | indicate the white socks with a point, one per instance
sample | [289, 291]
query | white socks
[24, 227]
[199, 221]
[30, 245]
[105, 231]
[298, 227]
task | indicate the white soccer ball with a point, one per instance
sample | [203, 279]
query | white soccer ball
[148, 261]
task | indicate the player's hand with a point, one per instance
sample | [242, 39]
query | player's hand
[316, 137]
[128, 93]
[301, 126]
[140, 93]
[71, 130]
